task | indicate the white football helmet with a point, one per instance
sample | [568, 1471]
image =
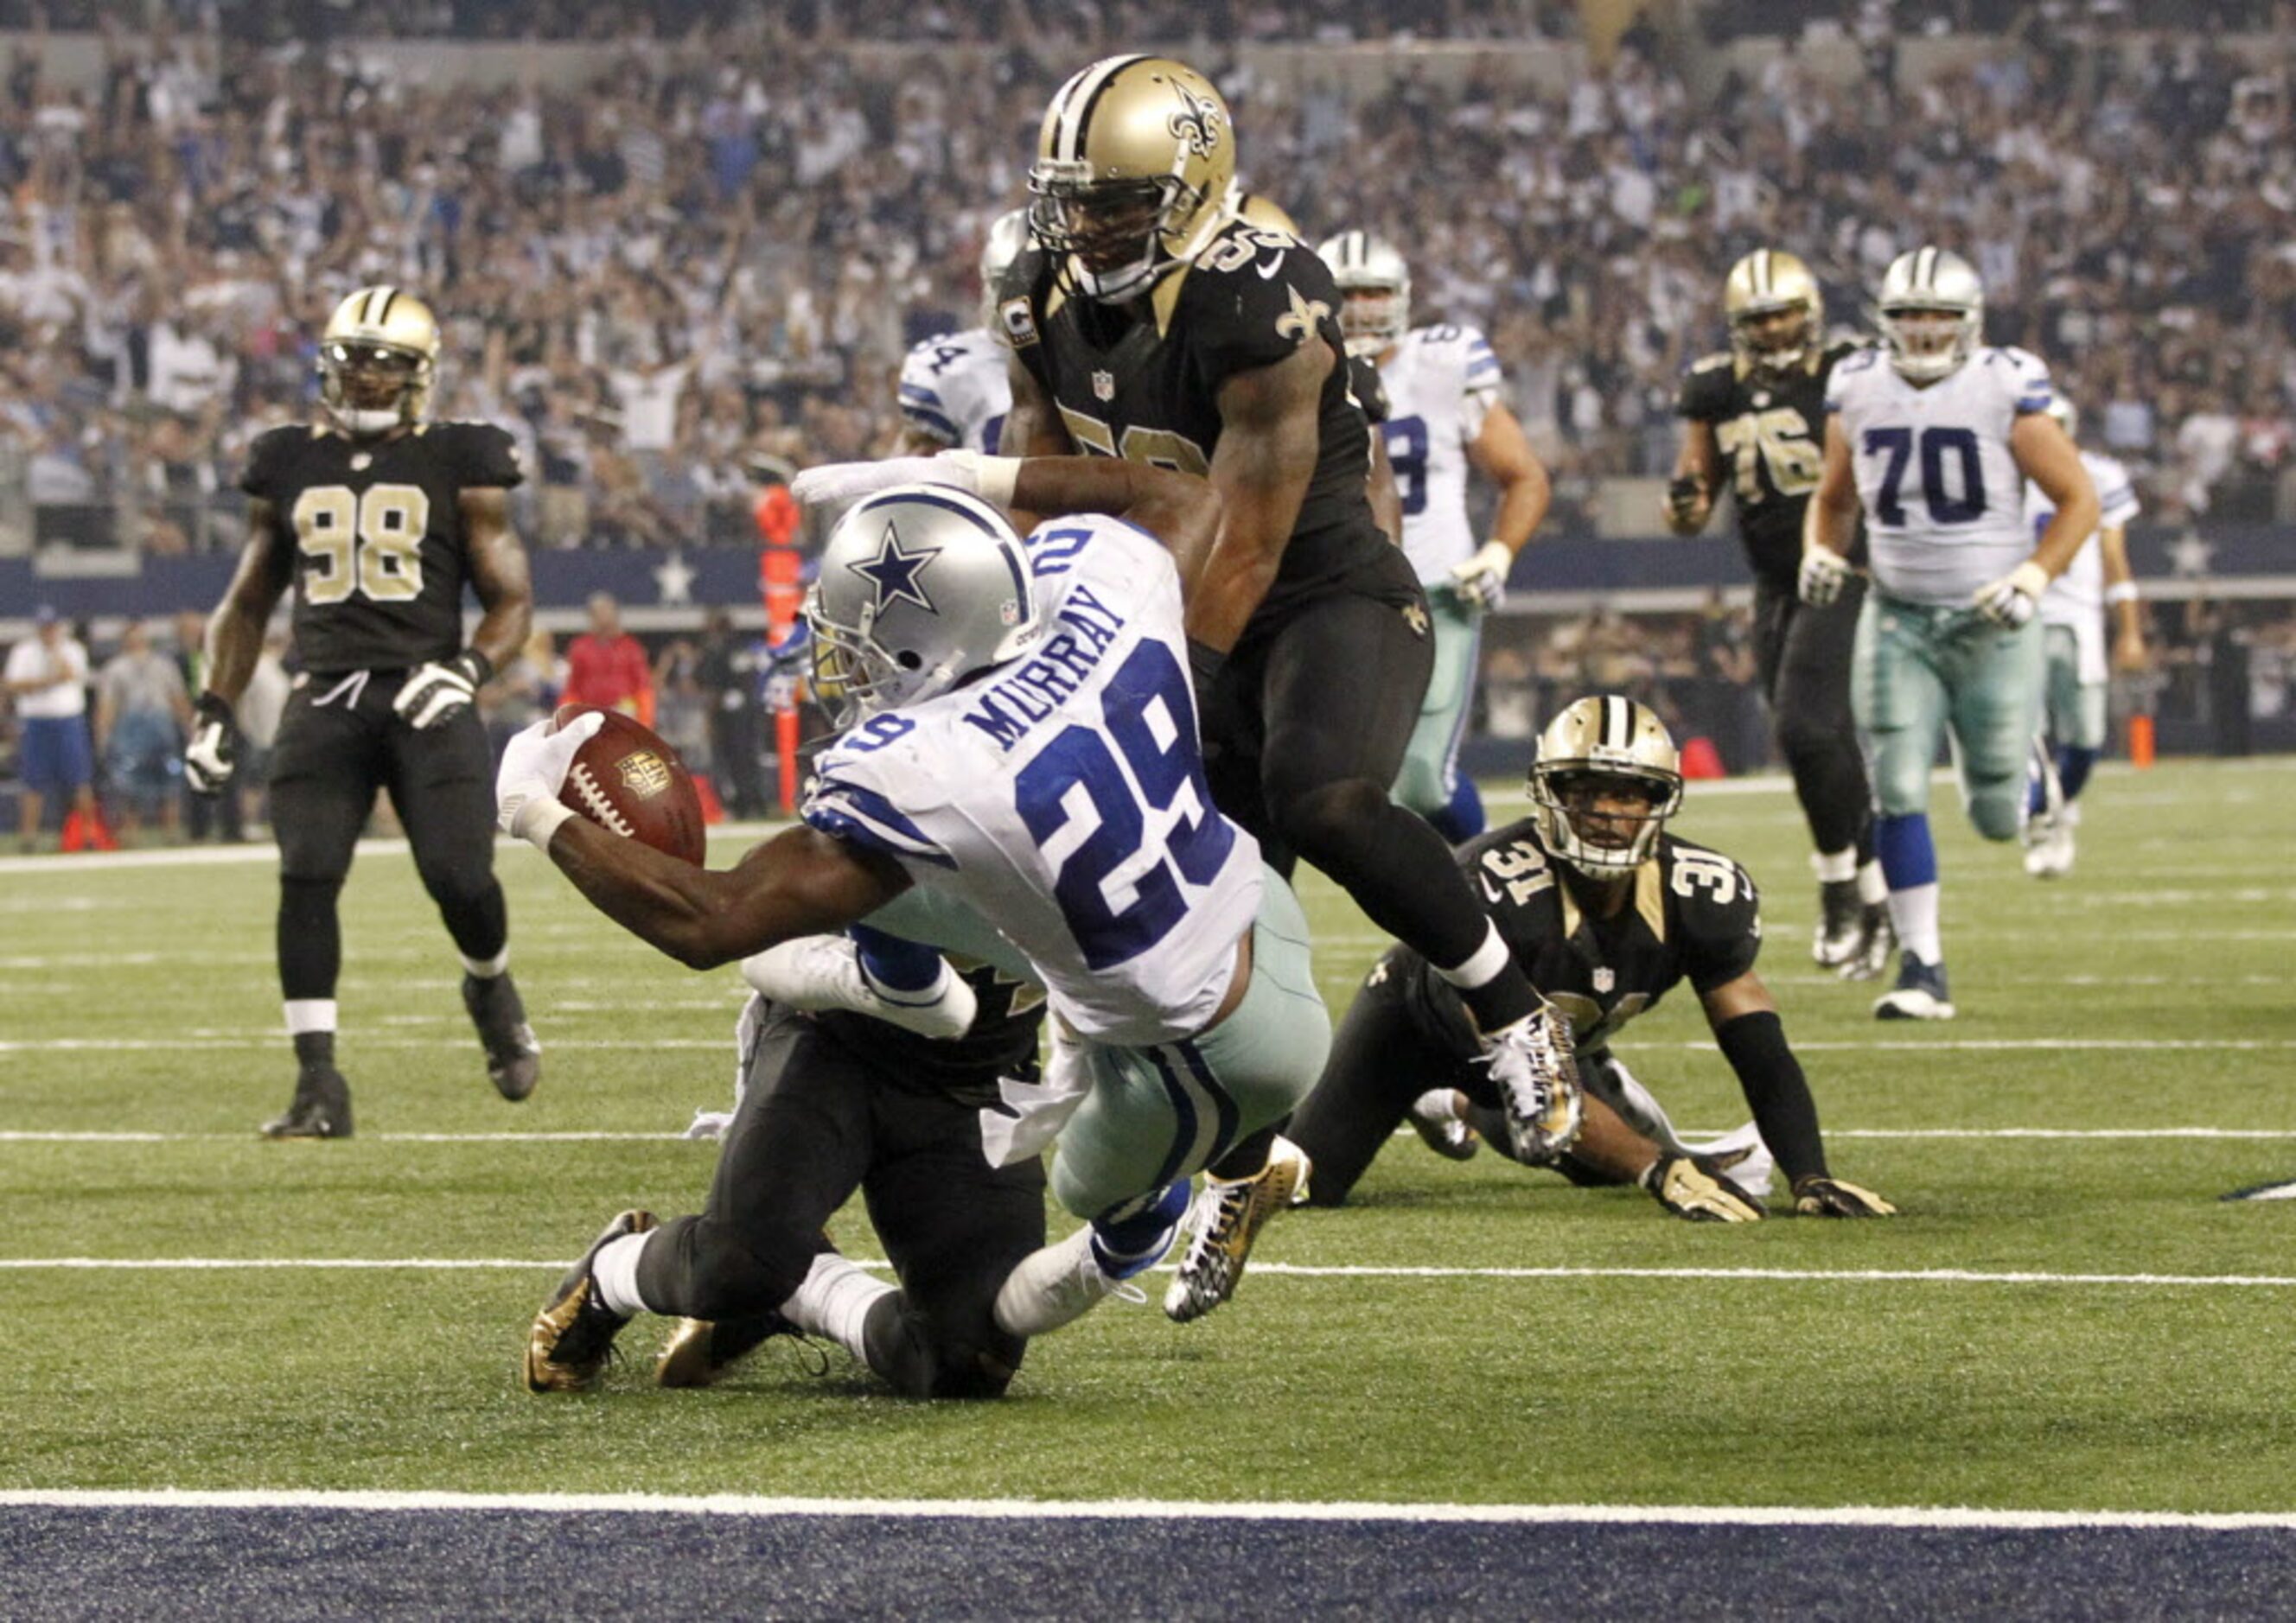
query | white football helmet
[1608, 742]
[1374, 289]
[1007, 237]
[919, 586]
[1917, 289]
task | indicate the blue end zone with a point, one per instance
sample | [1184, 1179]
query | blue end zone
[335, 1563]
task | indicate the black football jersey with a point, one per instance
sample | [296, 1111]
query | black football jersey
[1142, 379]
[1002, 1041]
[1370, 389]
[1769, 437]
[1693, 917]
[376, 530]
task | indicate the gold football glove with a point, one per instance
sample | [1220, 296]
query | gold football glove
[1816, 1196]
[1699, 1193]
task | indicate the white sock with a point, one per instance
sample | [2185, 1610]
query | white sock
[1834, 866]
[834, 1301]
[488, 969]
[615, 1268]
[1438, 1104]
[1872, 887]
[1914, 913]
[310, 1014]
[1489, 960]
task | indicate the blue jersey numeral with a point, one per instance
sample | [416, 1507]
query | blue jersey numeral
[1936, 443]
[1076, 800]
[1407, 453]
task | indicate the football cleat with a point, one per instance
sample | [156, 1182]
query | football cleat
[572, 1337]
[815, 972]
[319, 1108]
[1836, 937]
[2049, 846]
[1536, 1073]
[700, 1351]
[1877, 938]
[1919, 993]
[514, 1058]
[1056, 1285]
[1437, 1116]
[1225, 1221]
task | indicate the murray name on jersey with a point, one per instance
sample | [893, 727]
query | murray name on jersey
[374, 528]
[1062, 796]
[1142, 379]
[1769, 429]
[1944, 499]
[1693, 917]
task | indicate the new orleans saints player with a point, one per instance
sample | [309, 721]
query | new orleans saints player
[1754, 415]
[379, 520]
[1149, 321]
[1606, 912]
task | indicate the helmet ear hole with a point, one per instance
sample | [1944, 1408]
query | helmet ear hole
[908, 659]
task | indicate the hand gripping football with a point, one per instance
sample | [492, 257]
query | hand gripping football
[630, 783]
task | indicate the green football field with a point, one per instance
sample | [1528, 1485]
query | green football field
[2065, 1316]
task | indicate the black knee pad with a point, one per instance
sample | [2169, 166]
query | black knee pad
[1318, 817]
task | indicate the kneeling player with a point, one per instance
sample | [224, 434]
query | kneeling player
[1605, 913]
[828, 1103]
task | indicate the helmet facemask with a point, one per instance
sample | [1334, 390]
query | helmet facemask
[1762, 339]
[1119, 235]
[1603, 819]
[374, 388]
[1930, 342]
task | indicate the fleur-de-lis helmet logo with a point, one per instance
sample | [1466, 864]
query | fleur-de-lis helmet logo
[1197, 123]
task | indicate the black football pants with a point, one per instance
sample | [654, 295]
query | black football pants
[1803, 654]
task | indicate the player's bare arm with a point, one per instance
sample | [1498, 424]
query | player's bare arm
[499, 574]
[1697, 469]
[800, 883]
[1502, 452]
[1266, 454]
[2120, 592]
[1032, 427]
[265, 569]
[1179, 510]
[1830, 520]
[2044, 455]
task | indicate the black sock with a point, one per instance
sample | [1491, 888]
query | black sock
[315, 1050]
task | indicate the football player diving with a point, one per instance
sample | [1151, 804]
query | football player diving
[1149, 323]
[1752, 416]
[1606, 912]
[1444, 413]
[379, 520]
[1934, 436]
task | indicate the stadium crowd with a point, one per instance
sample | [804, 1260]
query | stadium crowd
[704, 267]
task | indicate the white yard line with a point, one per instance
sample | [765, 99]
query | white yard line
[69, 1136]
[1956, 1517]
[2034, 1045]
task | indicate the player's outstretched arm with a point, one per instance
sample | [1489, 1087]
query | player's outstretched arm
[1265, 457]
[1178, 509]
[1744, 1019]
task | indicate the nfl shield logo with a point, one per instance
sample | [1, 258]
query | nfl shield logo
[1104, 386]
[1604, 980]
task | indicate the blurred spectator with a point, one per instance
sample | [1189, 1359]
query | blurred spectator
[46, 676]
[727, 673]
[607, 667]
[523, 691]
[142, 719]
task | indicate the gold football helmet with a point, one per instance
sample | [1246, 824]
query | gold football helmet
[378, 358]
[1599, 760]
[1134, 165]
[1258, 209]
[1764, 284]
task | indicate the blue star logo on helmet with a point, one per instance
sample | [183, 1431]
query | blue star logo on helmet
[894, 572]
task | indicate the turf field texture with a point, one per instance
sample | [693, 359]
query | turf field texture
[2065, 1318]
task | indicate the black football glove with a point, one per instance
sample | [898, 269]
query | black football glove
[208, 758]
[1818, 1196]
[436, 694]
[1684, 496]
[1693, 1188]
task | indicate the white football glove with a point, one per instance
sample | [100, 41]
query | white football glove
[1482, 579]
[1823, 573]
[835, 483]
[436, 694]
[208, 758]
[534, 767]
[2012, 600]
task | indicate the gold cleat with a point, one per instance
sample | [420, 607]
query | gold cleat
[701, 1352]
[1228, 1219]
[573, 1336]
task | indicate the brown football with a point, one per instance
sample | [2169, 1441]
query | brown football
[630, 783]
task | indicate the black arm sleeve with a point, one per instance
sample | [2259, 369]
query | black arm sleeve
[1755, 1045]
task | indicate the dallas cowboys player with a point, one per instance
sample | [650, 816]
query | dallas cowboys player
[1935, 434]
[954, 391]
[1445, 413]
[2072, 620]
[1025, 782]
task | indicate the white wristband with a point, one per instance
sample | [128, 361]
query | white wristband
[2120, 592]
[539, 819]
[995, 476]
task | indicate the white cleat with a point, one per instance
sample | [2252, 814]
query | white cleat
[1536, 1068]
[1919, 993]
[818, 973]
[1056, 1285]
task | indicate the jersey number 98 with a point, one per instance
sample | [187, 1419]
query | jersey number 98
[366, 541]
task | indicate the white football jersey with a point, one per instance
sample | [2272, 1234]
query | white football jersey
[2076, 596]
[1441, 382]
[1945, 501]
[1061, 797]
[955, 388]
